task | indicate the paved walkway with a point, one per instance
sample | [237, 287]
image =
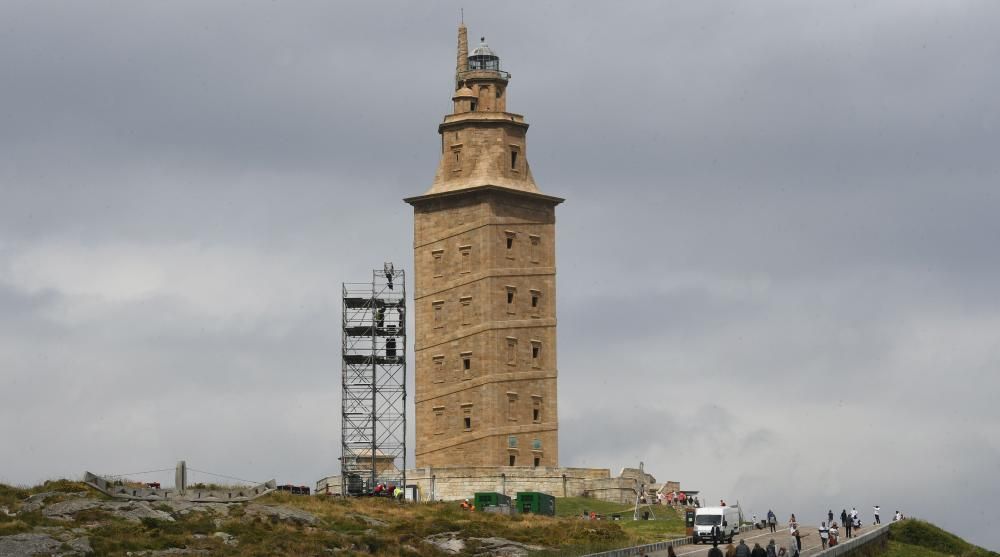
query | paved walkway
[810, 543]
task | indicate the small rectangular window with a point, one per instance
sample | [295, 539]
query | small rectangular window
[512, 406]
[510, 297]
[438, 259]
[511, 291]
[536, 415]
[536, 409]
[438, 369]
[534, 242]
[513, 160]
[467, 363]
[473, 106]
[536, 353]
[438, 420]
[538, 462]
[466, 255]
[466, 302]
[509, 242]
[512, 460]
[511, 351]
[535, 296]
[438, 308]
[468, 423]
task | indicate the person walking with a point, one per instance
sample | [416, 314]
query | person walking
[797, 535]
[758, 551]
[772, 550]
[834, 535]
[848, 525]
[876, 510]
[824, 534]
[742, 550]
[772, 520]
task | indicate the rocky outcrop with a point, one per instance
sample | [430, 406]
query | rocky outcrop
[281, 513]
[133, 511]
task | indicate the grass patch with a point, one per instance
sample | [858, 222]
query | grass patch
[925, 535]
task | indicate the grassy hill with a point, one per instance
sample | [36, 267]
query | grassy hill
[916, 538]
[70, 517]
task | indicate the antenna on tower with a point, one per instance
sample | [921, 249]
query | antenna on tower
[461, 16]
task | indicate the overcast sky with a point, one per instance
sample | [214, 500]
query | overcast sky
[778, 258]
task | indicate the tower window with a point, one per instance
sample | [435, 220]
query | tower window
[512, 407]
[438, 311]
[510, 243]
[536, 415]
[511, 291]
[438, 420]
[538, 461]
[438, 257]
[473, 106]
[536, 411]
[467, 417]
[512, 459]
[534, 241]
[511, 351]
[535, 297]
[536, 353]
[467, 364]
[466, 302]
[513, 160]
[466, 255]
[439, 368]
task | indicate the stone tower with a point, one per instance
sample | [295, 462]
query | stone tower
[485, 289]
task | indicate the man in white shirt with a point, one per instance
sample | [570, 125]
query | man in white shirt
[876, 509]
[824, 534]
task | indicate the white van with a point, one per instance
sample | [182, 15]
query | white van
[705, 518]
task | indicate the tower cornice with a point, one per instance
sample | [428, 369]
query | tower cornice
[420, 199]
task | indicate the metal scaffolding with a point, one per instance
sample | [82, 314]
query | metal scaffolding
[373, 418]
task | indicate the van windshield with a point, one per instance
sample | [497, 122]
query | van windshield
[707, 519]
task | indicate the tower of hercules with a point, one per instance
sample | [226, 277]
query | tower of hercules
[485, 298]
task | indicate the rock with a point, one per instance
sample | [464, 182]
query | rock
[281, 513]
[449, 542]
[80, 545]
[136, 511]
[227, 539]
[35, 502]
[164, 552]
[501, 547]
[64, 509]
[28, 544]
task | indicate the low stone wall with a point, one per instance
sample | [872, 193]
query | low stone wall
[456, 483]
[191, 495]
[872, 542]
[652, 547]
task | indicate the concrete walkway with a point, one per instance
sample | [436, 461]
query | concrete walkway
[810, 543]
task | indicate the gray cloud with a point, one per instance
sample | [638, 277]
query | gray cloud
[776, 259]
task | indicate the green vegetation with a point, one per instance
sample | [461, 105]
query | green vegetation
[916, 538]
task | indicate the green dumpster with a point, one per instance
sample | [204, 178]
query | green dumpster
[536, 503]
[485, 499]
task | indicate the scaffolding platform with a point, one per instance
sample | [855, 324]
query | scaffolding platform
[363, 303]
[373, 380]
